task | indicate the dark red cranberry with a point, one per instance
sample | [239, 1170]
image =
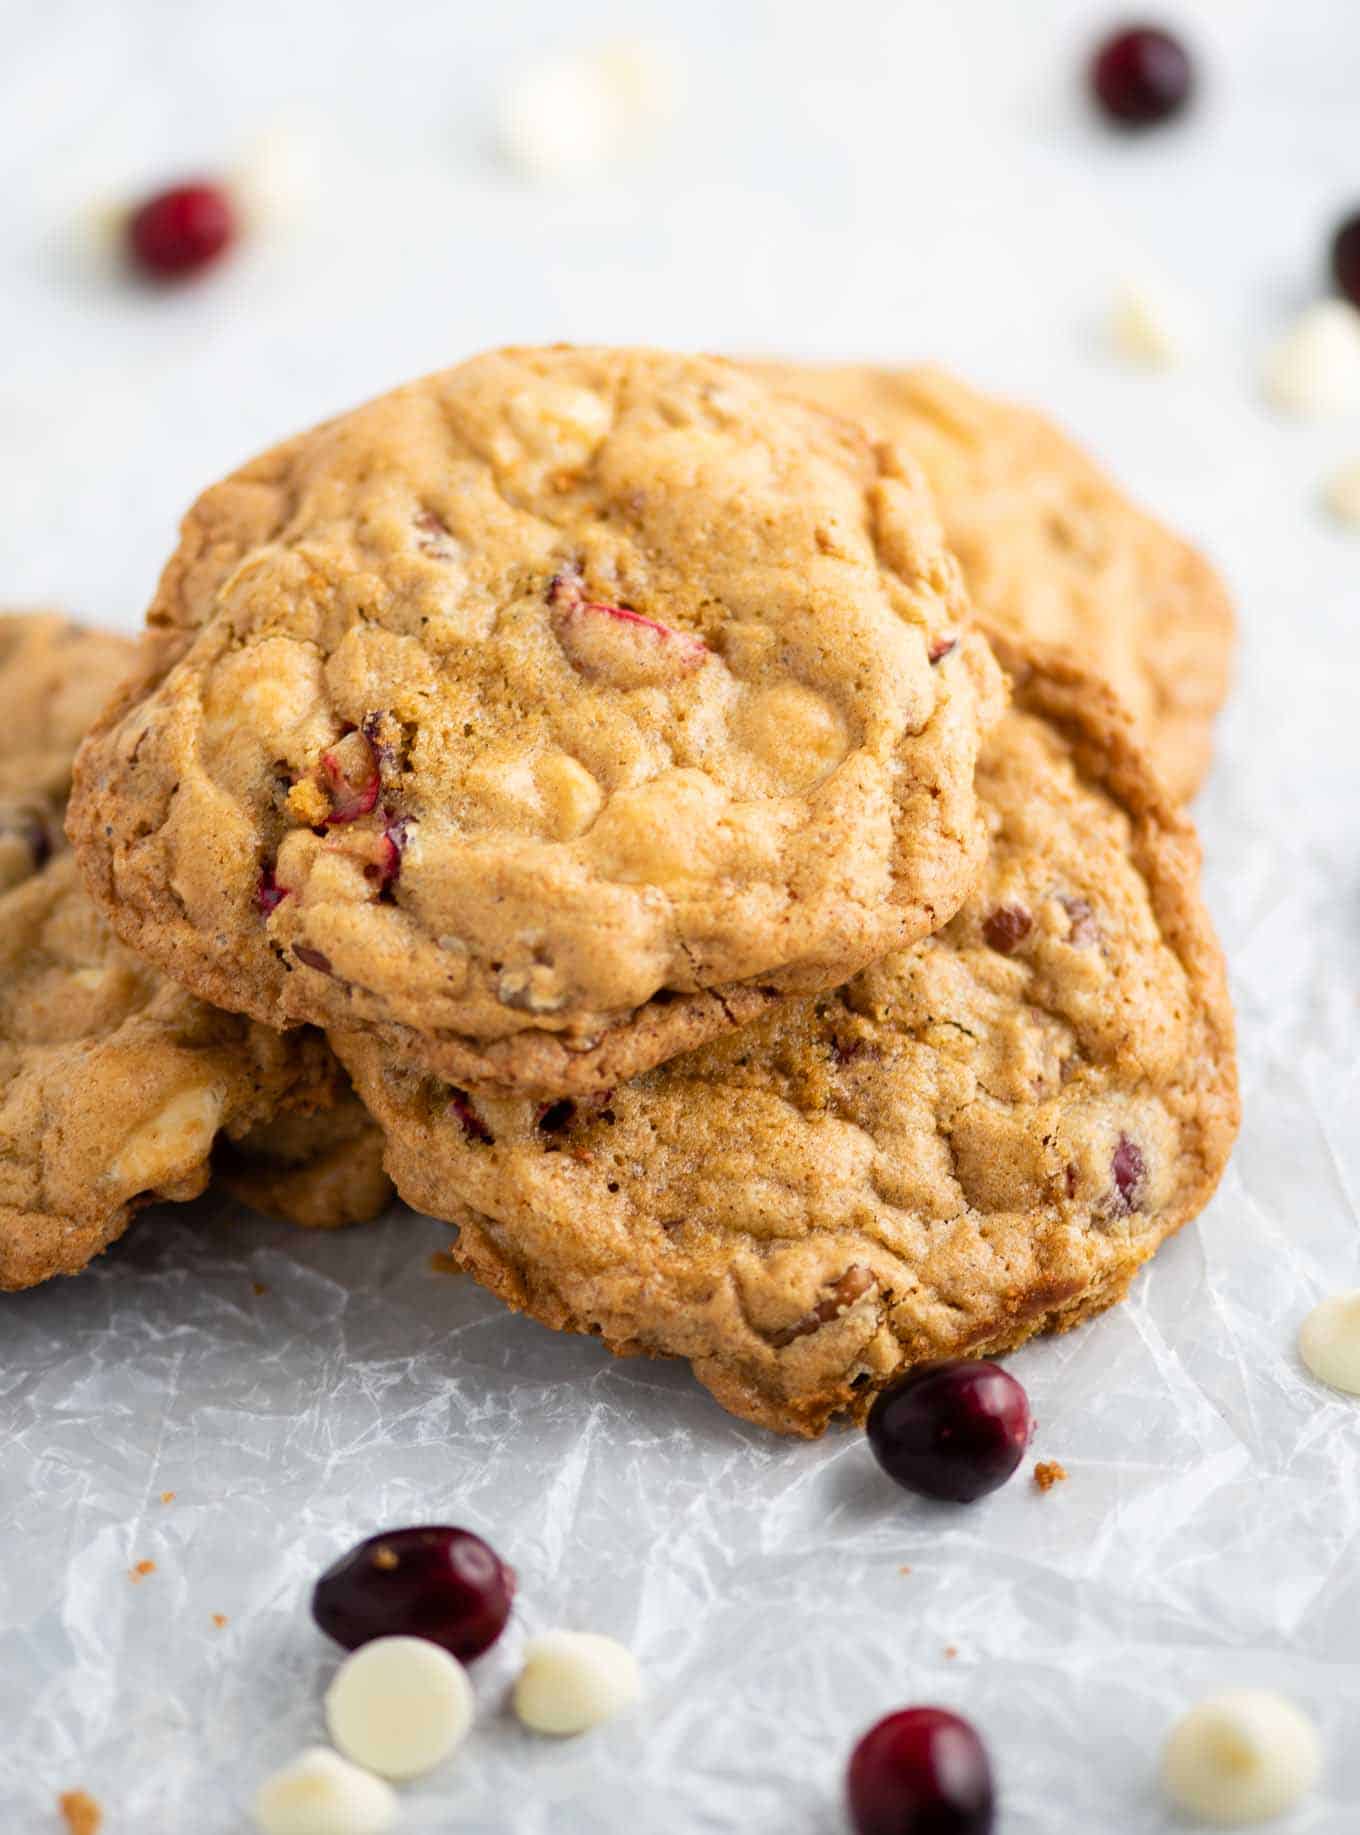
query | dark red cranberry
[954, 1430]
[942, 647]
[1129, 1170]
[922, 1771]
[445, 1585]
[179, 231]
[469, 1120]
[1141, 76]
[269, 894]
[1346, 258]
[1006, 928]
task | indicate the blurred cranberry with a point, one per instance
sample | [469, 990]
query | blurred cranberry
[922, 1771]
[177, 232]
[1346, 258]
[954, 1431]
[1141, 76]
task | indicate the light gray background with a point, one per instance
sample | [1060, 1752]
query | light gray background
[888, 181]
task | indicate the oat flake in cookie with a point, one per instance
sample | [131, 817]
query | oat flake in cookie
[1054, 553]
[544, 718]
[979, 1138]
[115, 1084]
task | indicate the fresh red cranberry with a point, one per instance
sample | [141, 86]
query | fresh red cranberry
[177, 232]
[1346, 258]
[922, 1771]
[954, 1430]
[445, 1585]
[1141, 76]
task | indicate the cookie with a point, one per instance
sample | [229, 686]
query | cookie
[114, 1083]
[544, 718]
[319, 1170]
[978, 1138]
[1054, 553]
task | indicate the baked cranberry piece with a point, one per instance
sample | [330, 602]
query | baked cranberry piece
[1128, 1168]
[179, 231]
[1006, 928]
[269, 894]
[1142, 76]
[952, 1430]
[921, 1771]
[442, 1584]
[1346, 258]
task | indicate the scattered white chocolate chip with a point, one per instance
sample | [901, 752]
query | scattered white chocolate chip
[281, 171]
[573, 1680]
[1314, 370]
[1329, 1342]
[1342, 494]
[399, 1706]
[320, 1793]
[1149, 325]
[1241, 1757]
[573, 115]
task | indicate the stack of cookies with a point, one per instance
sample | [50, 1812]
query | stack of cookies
[761, 953]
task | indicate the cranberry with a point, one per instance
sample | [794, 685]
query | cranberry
[352, 778]
[177, 232]
[1346, 258]
[954, 1430]
[1142, 76]
[445, 1585]
[921, 1771]
[1129, 1169]
[269, 894]
[469, 1120]
[1006, 928]
[942, 647]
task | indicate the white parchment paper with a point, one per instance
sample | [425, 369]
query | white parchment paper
[296, 1392]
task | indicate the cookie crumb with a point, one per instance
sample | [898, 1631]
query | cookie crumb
[1049, 1473]
[81, 1814]
[141, 1570]
[219, 1619]
[258, 1288]
[167, 1497]
[951, 1651]
[904, 1570]
[444, 1261]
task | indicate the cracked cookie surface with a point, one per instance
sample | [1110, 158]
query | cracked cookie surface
[1054, 553]
[114, 1083]
[544, 718]
[978, 1138]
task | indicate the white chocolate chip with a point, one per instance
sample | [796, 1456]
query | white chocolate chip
[573, 1680]
[1241, 1757]
[399, 1706]
[1314, 370]
[322, 1794]
[1149, 325]
[282, 171]
[571, 116]
[1342, 494]
[172, 1143]
[1329, 1342]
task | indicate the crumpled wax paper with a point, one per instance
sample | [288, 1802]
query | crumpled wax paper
[296, 1391]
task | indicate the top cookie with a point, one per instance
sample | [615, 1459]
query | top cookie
[978, 1138]
[1054, 553]
[542, 717]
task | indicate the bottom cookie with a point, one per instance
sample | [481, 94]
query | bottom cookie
[977, 1139]
[318, 1171]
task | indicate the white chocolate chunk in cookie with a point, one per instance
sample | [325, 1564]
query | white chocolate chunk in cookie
[319, 1793]
[793, 731]
[177, 1138]
[1329, 1342]
[399, 1706]
[1241, 1757]
[1342, 494]
[573, 1680]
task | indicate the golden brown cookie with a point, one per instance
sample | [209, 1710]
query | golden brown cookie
[544, 718]
[1054, 553]
[320, 1169]
[114, 1083]
[978, 1138]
